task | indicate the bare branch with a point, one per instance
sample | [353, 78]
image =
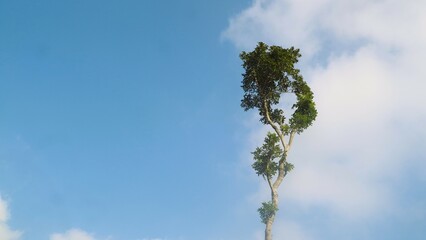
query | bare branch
[274, 126]
[290, 141]
[281, 174]
[269, 183]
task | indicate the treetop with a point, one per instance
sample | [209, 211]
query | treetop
[269, 72]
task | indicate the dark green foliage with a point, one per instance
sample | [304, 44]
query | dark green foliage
[264, 156]
[267, 211]
[269, 72]
[288, 167]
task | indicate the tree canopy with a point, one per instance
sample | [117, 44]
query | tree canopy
[269, 72]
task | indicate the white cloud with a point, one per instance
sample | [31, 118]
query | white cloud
[275, 22]
[72, 234]
[369, 93]
[308, 24]
[4, 212]
[5, 232]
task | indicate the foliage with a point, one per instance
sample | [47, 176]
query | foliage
[267, 211]
[264, 156]
[269, 72]
[288, 167]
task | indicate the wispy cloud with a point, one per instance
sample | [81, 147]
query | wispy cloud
[72, 234]
[6, 233]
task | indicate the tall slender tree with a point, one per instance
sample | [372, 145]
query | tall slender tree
[269, 73]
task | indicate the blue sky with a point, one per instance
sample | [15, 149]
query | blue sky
[120, 120]
[118, 117]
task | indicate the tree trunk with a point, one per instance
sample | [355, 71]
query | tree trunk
[268, 227]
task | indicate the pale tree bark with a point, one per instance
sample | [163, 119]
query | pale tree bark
[270, 222]
[281, 170]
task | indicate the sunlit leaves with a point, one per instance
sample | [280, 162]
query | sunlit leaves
[265, 156]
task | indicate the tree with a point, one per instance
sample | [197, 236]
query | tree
[269, 73]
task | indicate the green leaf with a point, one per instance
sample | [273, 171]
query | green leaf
[288, 167]
[266, 156]
[267, 211]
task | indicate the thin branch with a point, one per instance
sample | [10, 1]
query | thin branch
[265, 105]
[281, 172]
[274, 126]
[290, 141]
[269, 182]
[281, 175]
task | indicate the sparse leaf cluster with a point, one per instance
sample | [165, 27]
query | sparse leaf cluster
[265, 157]
[268, 156]
[267, 210]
